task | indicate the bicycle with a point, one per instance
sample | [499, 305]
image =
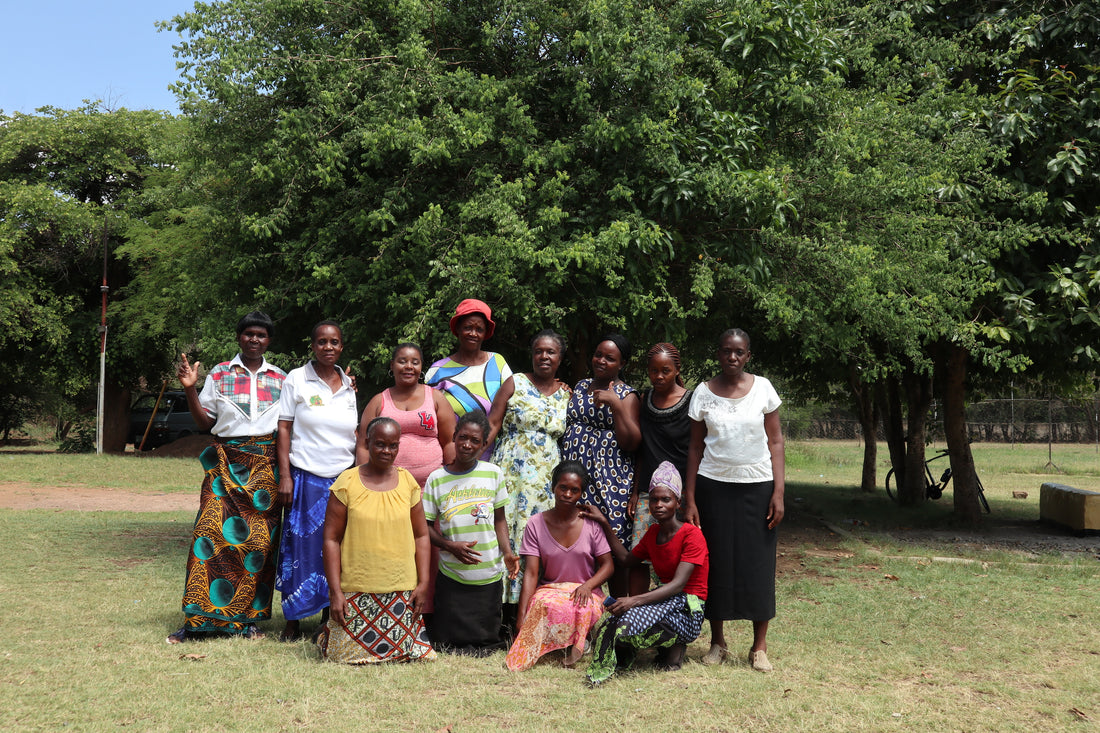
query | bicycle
[933, 489]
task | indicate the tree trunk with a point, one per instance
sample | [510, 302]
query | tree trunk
[918, 398]
[116, 418]
[863, 394]
[953, 379]
[889, 399]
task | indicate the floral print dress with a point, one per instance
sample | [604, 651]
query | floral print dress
[527, 451]
[590, 438]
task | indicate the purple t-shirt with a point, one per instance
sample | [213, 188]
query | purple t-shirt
[575, 564]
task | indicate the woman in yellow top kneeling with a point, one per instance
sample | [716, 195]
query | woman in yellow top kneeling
[376, 553]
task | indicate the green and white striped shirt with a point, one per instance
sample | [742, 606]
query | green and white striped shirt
[464, 504]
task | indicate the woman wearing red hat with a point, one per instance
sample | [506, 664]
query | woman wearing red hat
[470, 377]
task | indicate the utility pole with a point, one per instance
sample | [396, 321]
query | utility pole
[102, 347]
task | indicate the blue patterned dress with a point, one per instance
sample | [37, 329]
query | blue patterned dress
[590, 438]
[527, 451]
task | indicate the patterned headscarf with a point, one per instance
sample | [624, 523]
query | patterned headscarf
[666, 475]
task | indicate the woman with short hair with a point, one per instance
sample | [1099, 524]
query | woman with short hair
[527, 420]
[734, 492]
[232, 557]
[376, 559]
[315, 443]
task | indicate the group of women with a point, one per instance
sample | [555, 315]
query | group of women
[597, 485]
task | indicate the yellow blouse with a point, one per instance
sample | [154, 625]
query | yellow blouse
[378, 553]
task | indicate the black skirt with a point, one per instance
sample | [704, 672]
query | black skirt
[741, 584]
[467, 617]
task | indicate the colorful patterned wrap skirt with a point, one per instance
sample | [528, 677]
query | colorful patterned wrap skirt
[379, 627]
[231, 562]
[676, 620]
[553, 622]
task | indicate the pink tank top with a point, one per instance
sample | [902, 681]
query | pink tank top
[420, 452]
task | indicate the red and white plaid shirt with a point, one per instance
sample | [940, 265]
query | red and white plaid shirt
[242, 403]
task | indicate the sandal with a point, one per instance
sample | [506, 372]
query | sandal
[716, 655]
[252, 633]
[177, 637]
[759, 661]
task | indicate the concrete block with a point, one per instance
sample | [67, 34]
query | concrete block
[1076, 508]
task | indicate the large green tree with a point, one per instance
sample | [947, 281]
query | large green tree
[577, 164]
[71, 184]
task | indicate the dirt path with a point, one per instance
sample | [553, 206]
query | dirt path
[801, 533]
[800, 530]
[18, 495]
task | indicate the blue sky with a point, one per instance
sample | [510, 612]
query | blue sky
[59, 52]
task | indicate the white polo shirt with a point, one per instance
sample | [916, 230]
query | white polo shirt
[323, 436]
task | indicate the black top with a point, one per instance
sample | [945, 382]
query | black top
[665, 437]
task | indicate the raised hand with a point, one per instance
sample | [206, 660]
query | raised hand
[606, 397]
[187, 373]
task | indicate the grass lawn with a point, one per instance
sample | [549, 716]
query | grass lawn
[866, 638]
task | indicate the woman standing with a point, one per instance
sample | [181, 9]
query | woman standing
[602, 433]
[315, 443]
[426, 418]
[567, 560]
[529, 416]
[376, 559]
[470, 377]
[231, 561]
[666, 432]
[734, 491]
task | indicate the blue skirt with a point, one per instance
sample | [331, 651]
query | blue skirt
[301, 579]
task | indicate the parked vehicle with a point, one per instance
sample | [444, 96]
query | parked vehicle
[173, 419]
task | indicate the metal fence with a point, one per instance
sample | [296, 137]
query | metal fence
[1008, 420]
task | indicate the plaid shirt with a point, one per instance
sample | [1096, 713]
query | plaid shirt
[232, 382]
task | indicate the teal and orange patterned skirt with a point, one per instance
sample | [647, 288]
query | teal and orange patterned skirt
[232, 559]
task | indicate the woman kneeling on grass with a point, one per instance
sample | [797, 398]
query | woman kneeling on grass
[670, 616]
[376, 559]
[567, 559]
[464, 503]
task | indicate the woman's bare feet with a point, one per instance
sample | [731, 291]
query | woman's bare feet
[291, 632]
[674, 658]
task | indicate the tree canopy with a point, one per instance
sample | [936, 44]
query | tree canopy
[581, 165]
[71, 184]
[899, 197]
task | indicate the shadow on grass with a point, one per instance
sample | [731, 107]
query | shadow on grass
[932, 527]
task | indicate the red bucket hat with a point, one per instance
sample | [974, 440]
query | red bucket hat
[473, 305]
